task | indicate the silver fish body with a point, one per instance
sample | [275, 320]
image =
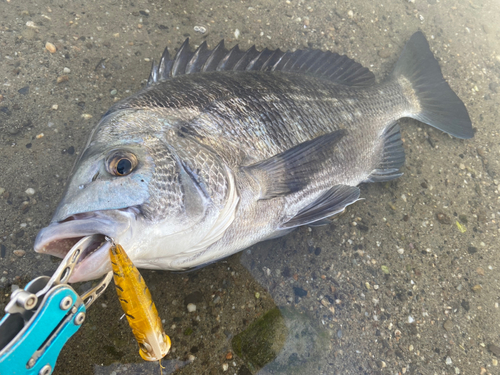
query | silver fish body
[224, 149]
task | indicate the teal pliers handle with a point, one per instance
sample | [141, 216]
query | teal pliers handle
[35, 348]
[43, 316]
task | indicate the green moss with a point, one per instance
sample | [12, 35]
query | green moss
[262, 341]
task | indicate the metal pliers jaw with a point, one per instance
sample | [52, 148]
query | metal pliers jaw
[43, 316]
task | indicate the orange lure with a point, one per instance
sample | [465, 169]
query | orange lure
[138, 306]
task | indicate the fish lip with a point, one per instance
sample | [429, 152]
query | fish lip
[60, 236]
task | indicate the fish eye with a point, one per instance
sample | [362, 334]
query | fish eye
[121, 163]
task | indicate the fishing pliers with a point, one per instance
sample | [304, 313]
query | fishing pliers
[42, 317]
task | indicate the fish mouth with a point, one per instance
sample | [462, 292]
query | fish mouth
[59, 237]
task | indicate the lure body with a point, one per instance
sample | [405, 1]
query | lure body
[138, 306]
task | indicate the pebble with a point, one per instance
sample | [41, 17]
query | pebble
[66, 70]
[381, 364]
[200, 29]
[229, 356]
[19, 253]
[299, 292]
[448, 361]
[61, 79]
[30, 191]
[55, 107]
[86, 116]
[443, 218]
[50, 47]
[350, 14]
[448, 325]
[472, 250]
[494, 362]
[191, 307]
[113, 92]
[225, 366]
[236, 34]
[24, 207]
[466, 305]
[24, 90]
[401, 251]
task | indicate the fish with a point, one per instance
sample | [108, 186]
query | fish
[138, 306]
[226, 148]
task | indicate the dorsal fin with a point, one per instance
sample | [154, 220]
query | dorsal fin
[327, 65]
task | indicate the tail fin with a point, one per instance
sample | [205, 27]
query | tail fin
[438, 105]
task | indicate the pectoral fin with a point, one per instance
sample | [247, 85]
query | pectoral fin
[292, 170]
[328, 204]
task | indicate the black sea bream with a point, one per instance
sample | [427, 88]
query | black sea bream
[224, 149]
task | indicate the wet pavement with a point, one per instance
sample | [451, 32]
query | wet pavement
[405, 281]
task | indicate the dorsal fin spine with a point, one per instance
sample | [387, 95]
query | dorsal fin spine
[326, 65]
[208, 65]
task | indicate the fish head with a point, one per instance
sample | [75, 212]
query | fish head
[132, 185]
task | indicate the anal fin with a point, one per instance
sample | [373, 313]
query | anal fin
[331, 202]
[393, 156]
[320, 223]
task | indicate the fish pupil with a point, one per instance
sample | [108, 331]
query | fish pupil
[123, 167]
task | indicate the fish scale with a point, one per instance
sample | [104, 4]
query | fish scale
[217, 123]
